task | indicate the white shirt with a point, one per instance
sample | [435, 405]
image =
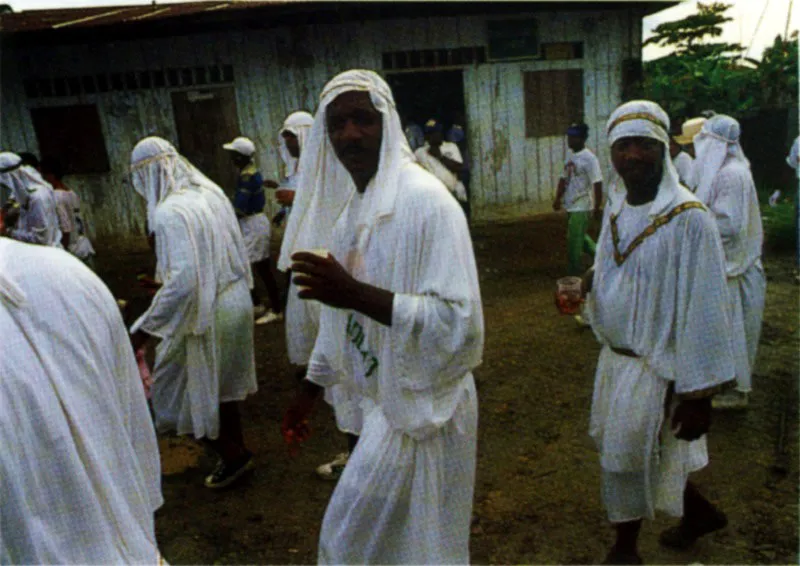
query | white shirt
[581, 172]
[683, 163]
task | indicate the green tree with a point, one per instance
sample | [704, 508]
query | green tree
[687, 37]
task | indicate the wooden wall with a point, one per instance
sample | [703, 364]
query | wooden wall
[282, 70]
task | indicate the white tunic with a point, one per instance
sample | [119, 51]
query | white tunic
[80, 470]
[203, 315]
[733, 200]
[406, 493]
[581, 172]
[683, 163]
[440, 171]
[256, 234]
[666, 302]
[38, 219]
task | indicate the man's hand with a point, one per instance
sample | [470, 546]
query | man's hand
[325, 280]
[692, 418]
[598, 214]
[435, 150]
[270, 184]
[295, 428]
[587, 282]
[557, 204]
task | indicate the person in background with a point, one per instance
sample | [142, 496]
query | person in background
[414, 135]
[682, 161]
[249, 202]
[657, 299]
[443, 159]
[725, 185]
[689, 129]
[35, 219]
[580, 193]
[202, 312]
[457, 136]
[68, 206]
[80, 469]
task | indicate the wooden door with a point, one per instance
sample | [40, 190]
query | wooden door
[205, 120]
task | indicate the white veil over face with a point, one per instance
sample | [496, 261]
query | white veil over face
[22, 180]
[325, 185]
[299, 124]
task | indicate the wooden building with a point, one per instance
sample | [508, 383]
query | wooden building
[86, 84]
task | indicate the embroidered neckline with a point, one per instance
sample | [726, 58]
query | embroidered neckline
[657, 223]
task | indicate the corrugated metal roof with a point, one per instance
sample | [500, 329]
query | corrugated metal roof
[39, 20]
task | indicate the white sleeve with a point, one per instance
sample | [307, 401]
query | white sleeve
[794, 155]
[451, 151]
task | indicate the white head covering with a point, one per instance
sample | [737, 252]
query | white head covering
[298, 123]
[717, 142]
[325, 185]
[646, 119]
[21, 179]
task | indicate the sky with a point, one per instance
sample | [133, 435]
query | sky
[745, 28]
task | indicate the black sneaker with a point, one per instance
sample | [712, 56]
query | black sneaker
[227, 473]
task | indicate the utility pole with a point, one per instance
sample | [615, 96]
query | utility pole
[788, 17]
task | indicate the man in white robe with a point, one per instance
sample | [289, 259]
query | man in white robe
[202, 313]
[658, 305]
[38, 221]
[443, 159]
[681, 159]
[401, 323]
[302, 317]
[725, 185]
[80, 475]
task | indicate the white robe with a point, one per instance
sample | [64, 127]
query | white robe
[667, 303]
[38, 219]
[80, 467]
[199, 364]
[440, 171]
[733, 200]
[684, 163]
[406, 493]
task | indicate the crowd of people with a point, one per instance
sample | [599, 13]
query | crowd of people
[383, 318]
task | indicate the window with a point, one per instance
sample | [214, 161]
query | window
[553, 101]
[433, 58]
[72, 133]
[512, 39]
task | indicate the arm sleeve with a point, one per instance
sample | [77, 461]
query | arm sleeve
[35, 225]
[174, 305]
[65, 215]
[451, 151]
[703, 354]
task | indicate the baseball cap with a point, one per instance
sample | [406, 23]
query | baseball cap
[241, 145]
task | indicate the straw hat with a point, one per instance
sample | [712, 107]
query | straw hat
[689, 130]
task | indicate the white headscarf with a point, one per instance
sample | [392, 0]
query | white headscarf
[646, 119]
[325, 185]
[21, 179]
[158, 171]
[298, 123]
[717, 142]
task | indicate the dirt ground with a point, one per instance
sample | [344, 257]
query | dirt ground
[537, 495]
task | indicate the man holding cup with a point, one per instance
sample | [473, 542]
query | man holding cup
[658, 306]
[401, 323]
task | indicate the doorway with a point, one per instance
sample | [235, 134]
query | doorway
[423, 95]
[205, 120]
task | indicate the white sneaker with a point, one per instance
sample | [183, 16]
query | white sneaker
[332, 470]
[730, 400]
[259, 310]
[269, 318]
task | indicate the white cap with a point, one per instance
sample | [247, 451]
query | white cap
[241, 145]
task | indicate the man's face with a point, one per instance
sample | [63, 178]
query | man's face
[292, 143]
[434, 139]
[638, 160]
[576, 143]
[690, 149]
[355, 129]
[239, 160]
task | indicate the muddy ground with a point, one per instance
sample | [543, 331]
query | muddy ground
[537, 496]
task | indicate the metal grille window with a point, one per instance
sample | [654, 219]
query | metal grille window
[433, 58]
[59, 87]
